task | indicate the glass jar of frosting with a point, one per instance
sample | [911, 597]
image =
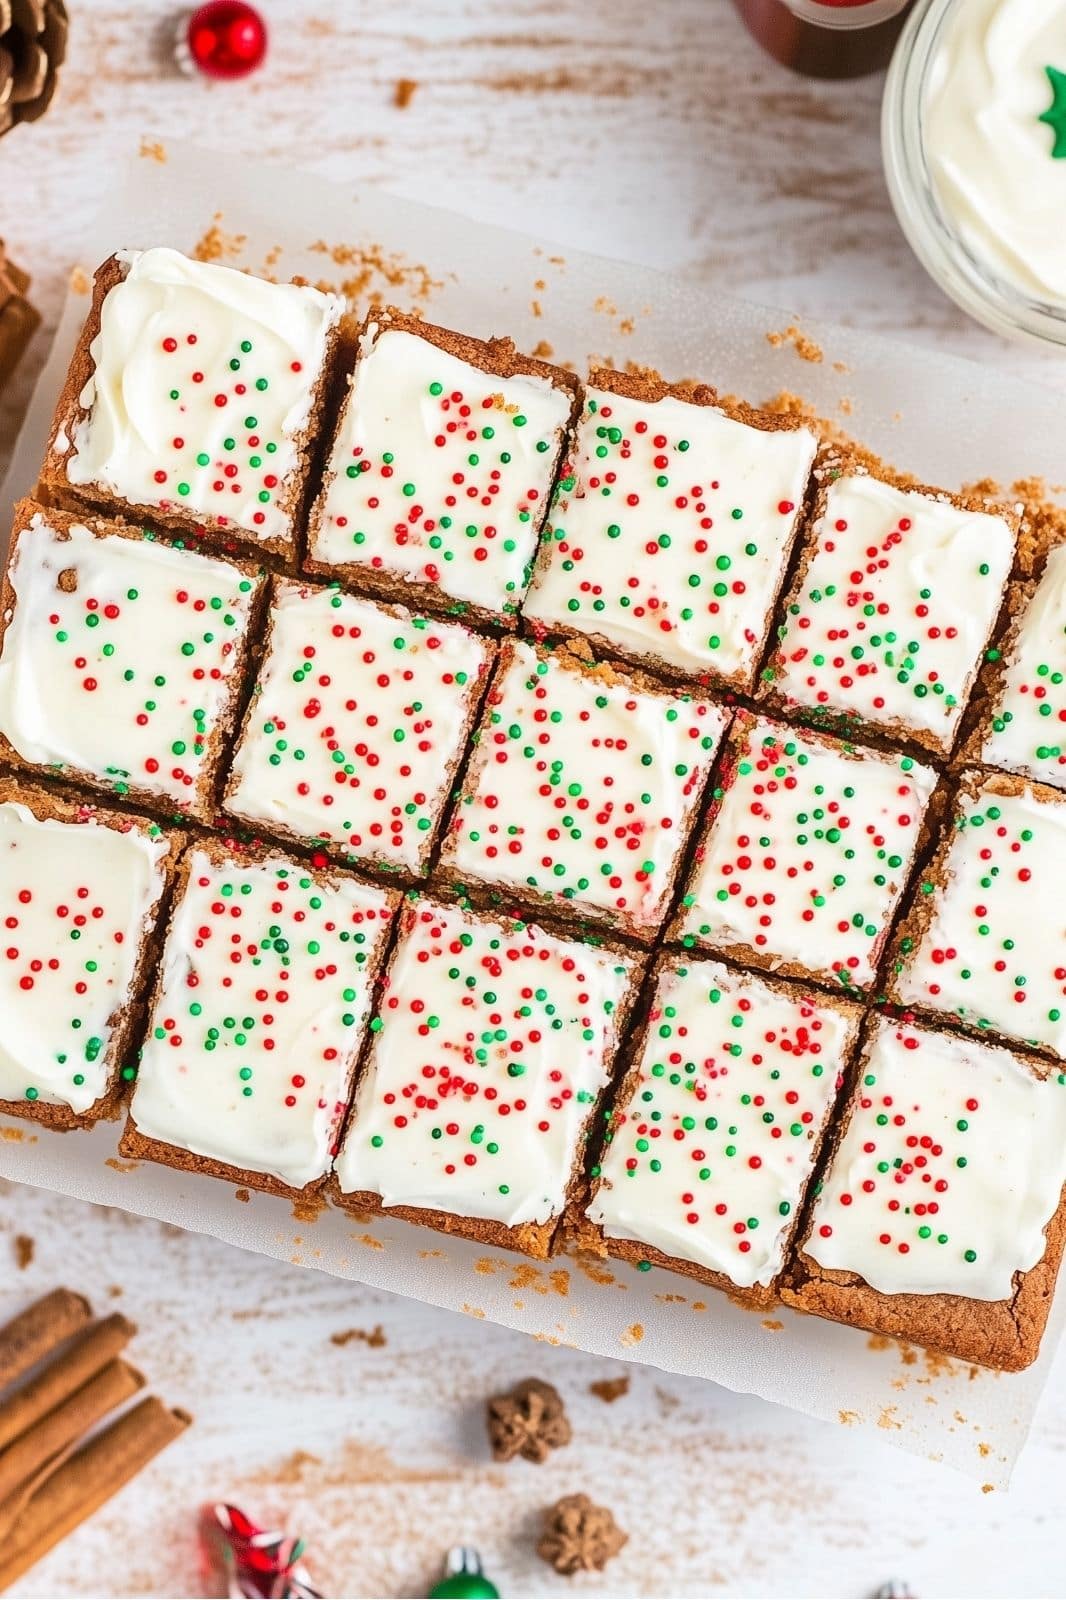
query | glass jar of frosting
[826, 38]
[974, 137]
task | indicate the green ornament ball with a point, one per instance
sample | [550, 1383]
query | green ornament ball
[465, 1586]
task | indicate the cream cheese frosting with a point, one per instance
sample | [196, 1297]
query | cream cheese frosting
[78, 901]
[994, 137]
[709, 1159]
[950, 1170]
[440, 472]
[493, 1041]
[202, 389]
[263, 998]
[670, 531]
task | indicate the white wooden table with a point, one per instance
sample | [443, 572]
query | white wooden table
[657, 133]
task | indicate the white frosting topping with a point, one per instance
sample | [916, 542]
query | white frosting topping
[950, 1170]
[265, 990]
[78, 900]
[1026, 732]
[118, 656]
[808, 853]
[357, 721]
[203, 383]
[997, 167]
[895, 607]
[583, 788]
[440, 472]
[994, 952]
[493, 1041]
[709, 1159]
[670, 531]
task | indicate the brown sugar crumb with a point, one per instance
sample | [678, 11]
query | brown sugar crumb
[633, 1334]
[579, 1536]
[79, 281]
[153, 150]
[24, 1250]
[530, 1421]
[373, 1338]
[369, 269]
[804, 346]
[610, 1389]
[122, 1166]
[404, 92]
[772, 1324]
[215, 245]
[543, 350]
[242, 1195]
[535, 308]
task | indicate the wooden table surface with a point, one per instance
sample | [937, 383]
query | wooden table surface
[660, 134]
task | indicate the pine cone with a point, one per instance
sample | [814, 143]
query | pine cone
[18, 319]
[33, 42]
[528, 1421]
[579, 1536]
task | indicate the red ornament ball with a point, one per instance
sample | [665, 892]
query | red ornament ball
[226, 39]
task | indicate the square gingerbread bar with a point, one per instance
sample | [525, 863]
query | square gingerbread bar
[493, 1043]
[808, 846]
[941, 1217]
[122, 659]
[441, 469]
[82, 892]
[671, 528]
[984, 941]
[713, 1137]
[894, 599]
[582, 789]
[356, 727]
[195, 400]
[257, 1018]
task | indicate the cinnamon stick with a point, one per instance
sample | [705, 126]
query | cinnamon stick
[86, 1481]
[39, 1330]
[66, 1425]
[91, 1352]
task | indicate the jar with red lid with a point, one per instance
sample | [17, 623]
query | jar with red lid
[826, 38]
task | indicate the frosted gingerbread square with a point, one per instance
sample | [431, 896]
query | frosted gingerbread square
[940, 1219]
[712, 1139]
[808, 846]
[671, 527]
[985, 938]
[122, 659]
[441, 468]
[1017, 719]
[895, 597]
[195, 399]
[493, 1042]
[258, 1014]
[582, 788]
[356, 726]
[81, 891]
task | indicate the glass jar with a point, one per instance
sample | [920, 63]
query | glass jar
[974, 180]
[826, 38]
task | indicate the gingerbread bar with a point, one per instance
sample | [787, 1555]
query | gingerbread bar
[808, 847]
[122, 659]
[1019, 710]
[941, 1217]
[258, 1015]
[895, 597]
[356, 727]
[582, 789]
[493, 1041]
[81, 891]
[195, 399]
[714, 1134]
[441, 469]
[985, 940]
[671, 528]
